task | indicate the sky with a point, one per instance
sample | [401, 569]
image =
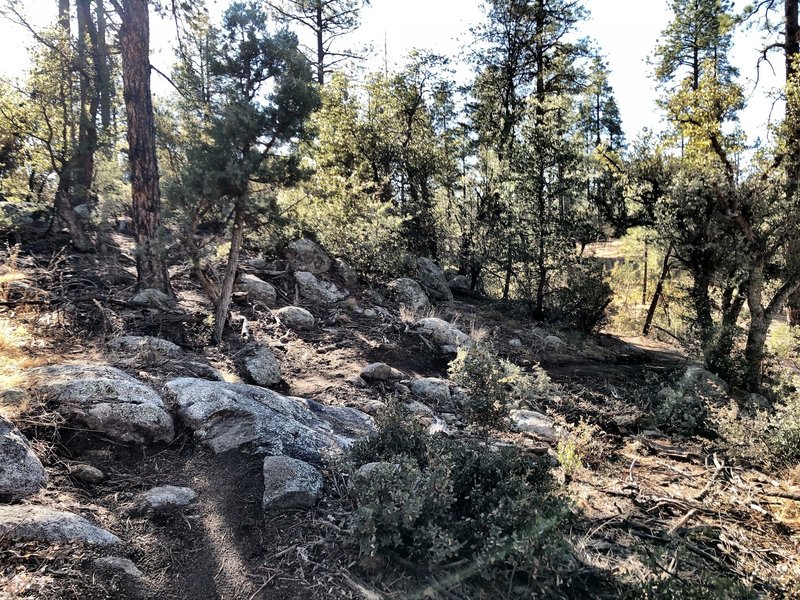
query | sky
[626, 31]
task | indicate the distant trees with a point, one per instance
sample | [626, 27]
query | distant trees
[327, 21]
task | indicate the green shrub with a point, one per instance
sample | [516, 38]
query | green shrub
[495, 385]
[581, 304]
[482, 374]
[463, 501]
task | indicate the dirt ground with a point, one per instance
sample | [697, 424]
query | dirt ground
[672, 500]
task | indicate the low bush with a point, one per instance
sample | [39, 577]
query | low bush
[458, 501]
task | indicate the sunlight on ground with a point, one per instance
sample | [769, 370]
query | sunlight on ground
[13, 361]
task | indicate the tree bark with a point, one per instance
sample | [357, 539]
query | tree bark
[134, 43]
[320, 31]
[103, 59]
[651, 312]
[237, 235]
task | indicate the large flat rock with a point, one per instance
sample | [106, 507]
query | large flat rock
[43, 524]
[226, 416]
[106, 400]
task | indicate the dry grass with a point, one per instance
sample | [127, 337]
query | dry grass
[14, 361]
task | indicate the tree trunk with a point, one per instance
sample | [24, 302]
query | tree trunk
[87, 129]
[102, 65]
[320, 30]
[792, 125]
[237, 235]
[651, 312]
[757, 334]
[134, 43]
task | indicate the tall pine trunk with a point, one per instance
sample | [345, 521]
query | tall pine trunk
[134, 43]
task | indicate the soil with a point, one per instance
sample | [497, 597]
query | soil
[647, 494]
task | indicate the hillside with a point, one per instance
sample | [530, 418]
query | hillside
[647, 514]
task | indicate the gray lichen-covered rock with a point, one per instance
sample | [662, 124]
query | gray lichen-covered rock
[294, 317]
[140, 344]
[225, 416]
[433, 280]
[535, 423]
[318, 290]
[305, 255]
[21, 471]
[256, 290]
[107, 400]
[447, 335]
[163, 499]
[346, 272]
[13, 397]
[432, 390]
[40, 523]
[409, 293]
[87, 473]
[260, 365]
[380, 372]
[290, 483]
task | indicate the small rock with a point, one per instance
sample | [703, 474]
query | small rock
[409, 293]
[380, 372]
[305, 255]
[318, 290]
[294, 317]
[356, 381]
[260, 365]
[515, 342]
[418, 408]
[552, 342]
[432, 389]
[155, 300]
[433, 280]
[370, 312]
[290, 483]
[757, 401]
[28, 523]
[459, 282]
[346, 272]
[87, 473]
[374, 407]
[163, 499]
[530, 421]
[21, 471]
[117, 566]
[401, 389]
[447, 335]
[140, 344]
[256, 289]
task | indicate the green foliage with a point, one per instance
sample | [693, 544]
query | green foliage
[583, 445]
[462, 501]
[681, 412]
[493, 386]
[581, 303]
[483, 375]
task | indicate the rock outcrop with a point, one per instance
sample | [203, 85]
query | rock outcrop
[305, 255]
[21, 471]
[431, 390]
[226, 416]
[534, 423]
[107, 400]
[381, 372]
[144, 344]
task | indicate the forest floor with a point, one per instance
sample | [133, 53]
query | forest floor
[648, 503]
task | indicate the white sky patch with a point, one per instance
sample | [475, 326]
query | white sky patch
[626, 31]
